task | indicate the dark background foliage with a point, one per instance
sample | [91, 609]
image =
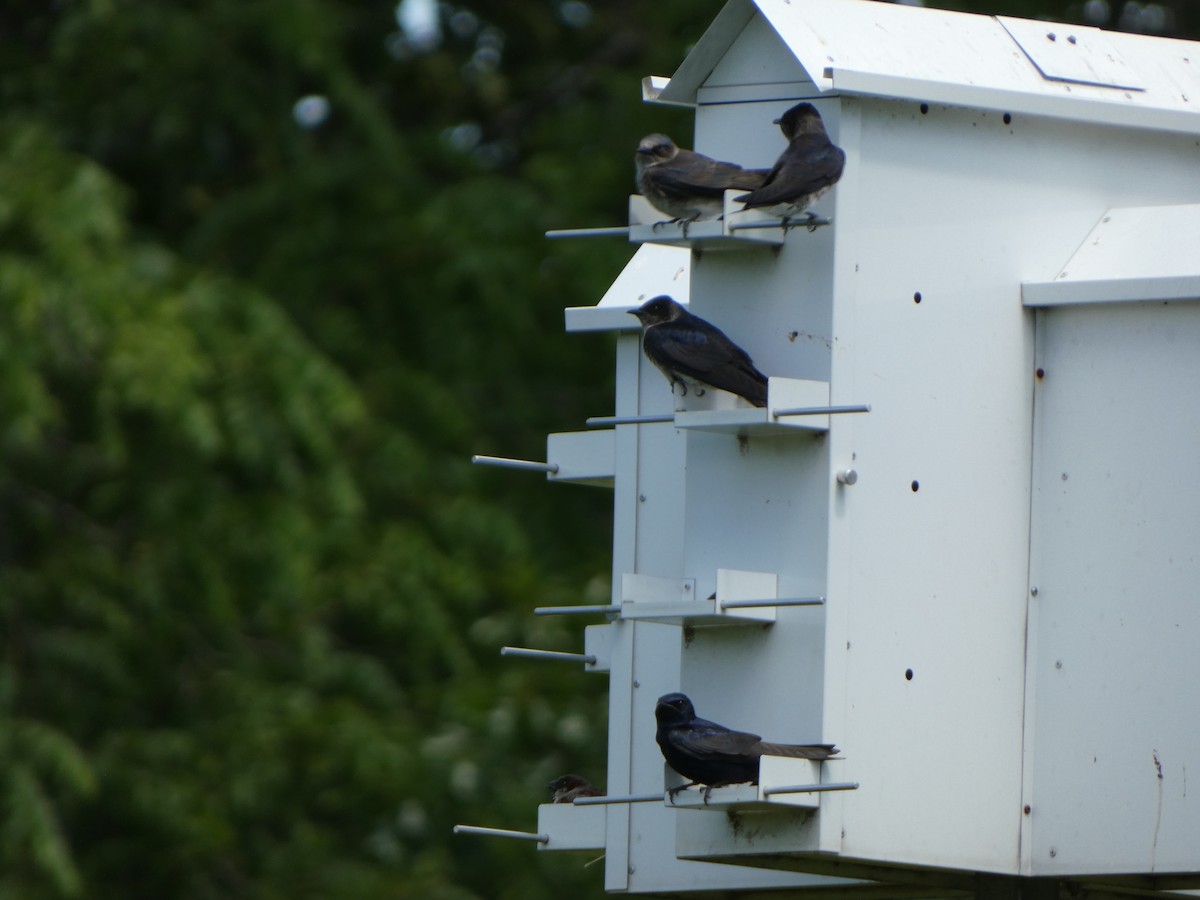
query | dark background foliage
[251, 590]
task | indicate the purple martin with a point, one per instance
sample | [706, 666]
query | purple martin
[809, 166]
[684, 346]
[567, 787]
[713, 755]
[686, 185]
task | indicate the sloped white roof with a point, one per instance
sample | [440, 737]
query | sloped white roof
[1145, 253]
[960, 59]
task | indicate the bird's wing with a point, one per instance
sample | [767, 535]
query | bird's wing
[690, 174]
[798, 751]
[705, 740]
[803, 169]
[694, 347]
[702, 352]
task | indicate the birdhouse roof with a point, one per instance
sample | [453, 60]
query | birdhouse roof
[866, 48]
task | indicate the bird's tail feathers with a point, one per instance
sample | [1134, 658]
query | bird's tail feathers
[798, 751]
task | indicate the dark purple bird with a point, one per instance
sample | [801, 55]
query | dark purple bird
[713, 755]
[686, 185]
[687, 348]
[809, 167]
[567, 787]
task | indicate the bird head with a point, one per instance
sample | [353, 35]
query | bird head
[802, 118]
[659, 309]
[674, 709]
[566, 783]
[654, 148]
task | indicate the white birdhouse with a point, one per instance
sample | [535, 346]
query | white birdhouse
[1007, 544]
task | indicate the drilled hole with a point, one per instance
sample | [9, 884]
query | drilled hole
[1041, 373]
[917, 297]
[924, 109]
[1008, 118]
[916, 486]
[908, 674]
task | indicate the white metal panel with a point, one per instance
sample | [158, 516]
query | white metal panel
[1132, 254]
[756, 58]
[1116, 564]
[1073, 53]
[571, 827]
[583, 457]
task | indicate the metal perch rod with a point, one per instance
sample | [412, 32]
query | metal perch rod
[821, 410]
[548, 654]
[505, 463]
[503, 833]
[611, 231]
[628, 798]
[602, 421]
[576, 610]
[811, 788]
[754, 604]
[799, 223]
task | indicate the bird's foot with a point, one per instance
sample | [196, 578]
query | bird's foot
[658, 225]
[675, 791]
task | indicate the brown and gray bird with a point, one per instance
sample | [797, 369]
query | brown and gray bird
[567, 787]
[809, 166]
[713, 755]
[687, 348]
[685, 185]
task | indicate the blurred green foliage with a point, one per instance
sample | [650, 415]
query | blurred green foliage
[251, 591]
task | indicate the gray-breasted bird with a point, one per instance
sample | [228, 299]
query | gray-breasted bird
[809, 166]
[686, 347]
[685, 185]
[567, 787]
[713, 755]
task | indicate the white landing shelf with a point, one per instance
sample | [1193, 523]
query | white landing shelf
[793, 404]
[570, 827]
[775, 772]
[738, 228]
[741, 598]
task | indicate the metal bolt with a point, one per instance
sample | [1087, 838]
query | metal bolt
[1028, 809]
[1058, 664]
[1064, 477]
[1053, 852]
[641, 498]
[847, 476]
[1033, 591]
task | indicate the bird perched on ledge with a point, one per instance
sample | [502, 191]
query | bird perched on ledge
[686, 347]
[567, 787]
[686, 185]
[713, 755]
[809, 167]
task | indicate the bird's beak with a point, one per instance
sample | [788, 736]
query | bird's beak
[777, 121]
